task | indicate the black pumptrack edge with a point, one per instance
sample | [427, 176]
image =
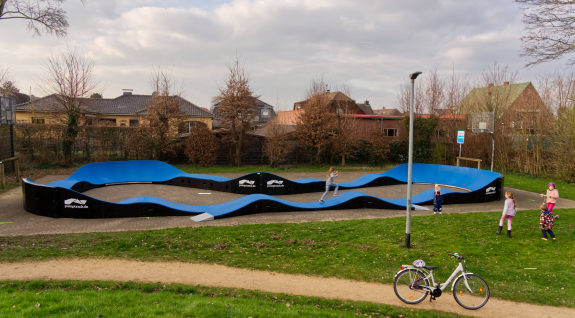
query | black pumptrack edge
[50, 201]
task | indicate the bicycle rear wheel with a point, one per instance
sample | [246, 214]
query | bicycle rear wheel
[474, 297]
[407, 286]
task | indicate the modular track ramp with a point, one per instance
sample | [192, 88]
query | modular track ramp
[64, 198]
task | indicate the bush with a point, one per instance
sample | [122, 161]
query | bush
[202, 146]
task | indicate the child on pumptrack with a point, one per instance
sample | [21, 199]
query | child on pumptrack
[332, 173]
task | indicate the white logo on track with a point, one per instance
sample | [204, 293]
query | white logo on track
[247, 183]
[275, 184]
[490, 190]
[75, 204]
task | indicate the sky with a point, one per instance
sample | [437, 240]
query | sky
[372, 45]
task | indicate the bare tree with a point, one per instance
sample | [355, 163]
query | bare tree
[6, 82]
[69, 76]
[433, 92]
[550, 30]
[347, 137]
[315, 124]
[457, 86]
[403, 97]
[44, 16]
[159, 126]
[237, 104]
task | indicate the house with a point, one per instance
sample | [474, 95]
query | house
[391, 126]
[516, 106]
[123, 111]
[338, 102]
[264, 113]
[387, 112]
[366, 108]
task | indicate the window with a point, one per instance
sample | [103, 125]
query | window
[442, 133]
[265, 113]
[390, 132]
[134, 123]
[189, 125]
[38, 120]
[107, 121]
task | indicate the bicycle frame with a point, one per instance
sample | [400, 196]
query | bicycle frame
[429, 275]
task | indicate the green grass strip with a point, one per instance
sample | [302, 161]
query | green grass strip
[539, 185]
[132, 299]
[362, 250]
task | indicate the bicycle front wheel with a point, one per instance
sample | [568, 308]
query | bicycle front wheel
[407, 286]
[472, 295]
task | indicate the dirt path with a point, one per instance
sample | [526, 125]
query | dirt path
[222, 276]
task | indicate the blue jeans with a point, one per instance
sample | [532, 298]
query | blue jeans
[327, 185]
[548, 231]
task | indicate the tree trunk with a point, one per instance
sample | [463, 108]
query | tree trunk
[343, 160]
[234, 141]
[239, 148]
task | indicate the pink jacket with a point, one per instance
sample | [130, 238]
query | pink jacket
[552, 195]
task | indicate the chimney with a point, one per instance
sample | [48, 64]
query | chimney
[154, 94]
[505, 84]
[490, 85]
[127, 91]
[366, 102]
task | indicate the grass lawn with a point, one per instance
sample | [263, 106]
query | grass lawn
[111, 299]
[539, 185]
[364, 250]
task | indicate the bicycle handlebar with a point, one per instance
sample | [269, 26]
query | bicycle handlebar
[456, 255]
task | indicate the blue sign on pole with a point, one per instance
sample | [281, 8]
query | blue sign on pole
[460, 136]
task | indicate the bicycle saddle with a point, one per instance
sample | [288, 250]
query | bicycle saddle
[430, 267]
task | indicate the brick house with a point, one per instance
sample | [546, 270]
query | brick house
[387, 112]
[516, 106]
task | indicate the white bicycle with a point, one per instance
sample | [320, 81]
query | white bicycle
[412, 285]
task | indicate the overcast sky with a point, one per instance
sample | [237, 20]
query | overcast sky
[371, 44]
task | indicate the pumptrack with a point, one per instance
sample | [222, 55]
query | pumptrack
[65, 198]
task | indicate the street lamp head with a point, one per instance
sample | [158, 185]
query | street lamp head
[414, 75]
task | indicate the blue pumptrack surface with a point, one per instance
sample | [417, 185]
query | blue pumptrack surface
[481, 186]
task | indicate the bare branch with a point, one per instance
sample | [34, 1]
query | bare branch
[550, 26]
[44, 16]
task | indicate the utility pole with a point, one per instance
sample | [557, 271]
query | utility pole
[412, 76]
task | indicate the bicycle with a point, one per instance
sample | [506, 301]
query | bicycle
[469, 290]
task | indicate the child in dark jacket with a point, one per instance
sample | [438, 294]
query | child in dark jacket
[546, 222]
[437, 200]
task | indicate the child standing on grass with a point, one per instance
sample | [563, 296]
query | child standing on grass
[437, 200]
[551, 196]
[509, 210]
[546, 222]
[332, 173]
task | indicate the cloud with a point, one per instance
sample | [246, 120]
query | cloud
[284, 42]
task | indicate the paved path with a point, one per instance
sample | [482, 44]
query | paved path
[24, 223]
[222, 276]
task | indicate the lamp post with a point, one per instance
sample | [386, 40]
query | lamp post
[412, 77]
